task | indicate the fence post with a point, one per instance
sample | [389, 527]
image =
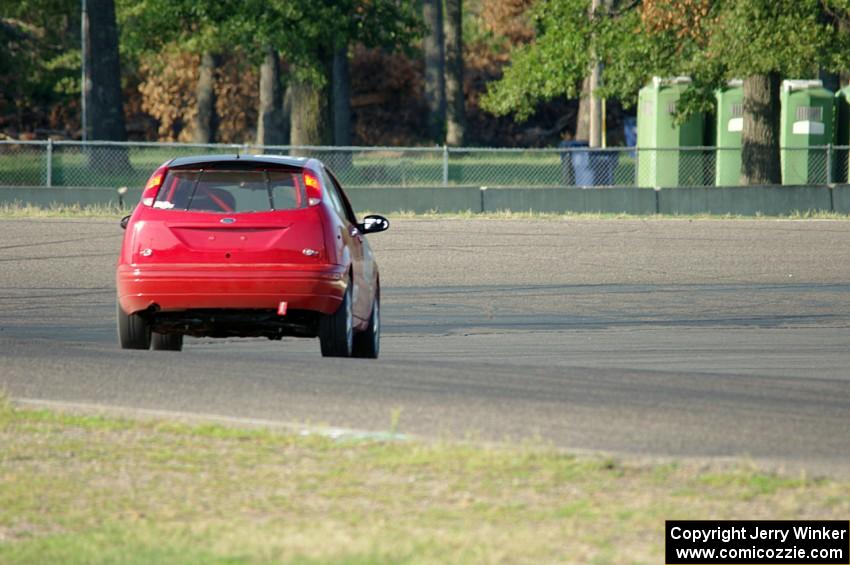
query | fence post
[445, 165]
[49, 180]
[829, 163]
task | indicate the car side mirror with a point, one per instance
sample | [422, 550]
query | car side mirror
[124, 221]
[373, 224]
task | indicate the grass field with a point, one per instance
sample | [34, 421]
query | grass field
[111, 167]
[78, 488]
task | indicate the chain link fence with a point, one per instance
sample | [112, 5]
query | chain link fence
[111, 164]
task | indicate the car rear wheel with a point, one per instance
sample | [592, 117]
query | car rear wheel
[367, 344]
[336, 331]
[167, 342]
[134, 332]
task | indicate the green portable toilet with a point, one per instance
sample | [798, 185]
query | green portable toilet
[805, 121]
[842, 135]
[730, 124]
[659, 164]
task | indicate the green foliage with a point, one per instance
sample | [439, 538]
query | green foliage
[39, 53]
[558, 60]
[795, 38]
[304, 31]
[739, 38]
[551, 66]
[761, 36]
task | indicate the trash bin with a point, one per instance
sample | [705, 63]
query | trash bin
[603, 163]
[805, 121]
[630, 132]
[730, 124]
[660, 161]
[569, 159]
[582, 166]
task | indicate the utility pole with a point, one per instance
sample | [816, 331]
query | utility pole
[595, 103]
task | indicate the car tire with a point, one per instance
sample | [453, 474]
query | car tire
[134, 332]
[367, 344]
[336, 331]
[167, 342]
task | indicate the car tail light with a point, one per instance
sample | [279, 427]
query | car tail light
[314, 189]
[154, 183]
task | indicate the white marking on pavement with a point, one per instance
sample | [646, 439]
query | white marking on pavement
[331, 432]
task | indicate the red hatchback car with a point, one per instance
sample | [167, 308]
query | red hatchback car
[247, 246]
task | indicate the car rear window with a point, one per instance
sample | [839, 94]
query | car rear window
[229, 191]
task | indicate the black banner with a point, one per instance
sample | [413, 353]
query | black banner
[759, 542]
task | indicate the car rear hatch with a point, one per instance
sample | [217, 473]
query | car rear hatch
[229, 213]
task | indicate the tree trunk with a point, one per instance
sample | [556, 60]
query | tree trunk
[286, 114]
[455, 122]
[106, 107]
[583, 117]
[435, 80]
[341, 91]
[206, 121]
[270, 112]
[310, 114]
[760, 138]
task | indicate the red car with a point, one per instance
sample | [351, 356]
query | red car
[247, 246]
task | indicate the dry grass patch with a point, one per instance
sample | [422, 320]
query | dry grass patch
[21, 210]
[92, 489]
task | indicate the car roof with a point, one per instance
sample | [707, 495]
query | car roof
[285, 160]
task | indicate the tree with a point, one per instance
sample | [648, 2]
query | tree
[764, 41]
[314, 36]
[713, 41]
[102, 88]
[270, 118]
[583, 115]
[150, 26]
[386, 23]
[556, 62]
[760, 136]
[341, 94]
[306, 33]
[103, 83]
[455, 100]
[311, 116]
[433, 48]
[206, 120]
[40, 66]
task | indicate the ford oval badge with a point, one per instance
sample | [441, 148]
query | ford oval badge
[227, 220]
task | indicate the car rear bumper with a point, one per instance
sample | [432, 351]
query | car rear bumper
[171, 288]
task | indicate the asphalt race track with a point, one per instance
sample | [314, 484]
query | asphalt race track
[646, 338]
